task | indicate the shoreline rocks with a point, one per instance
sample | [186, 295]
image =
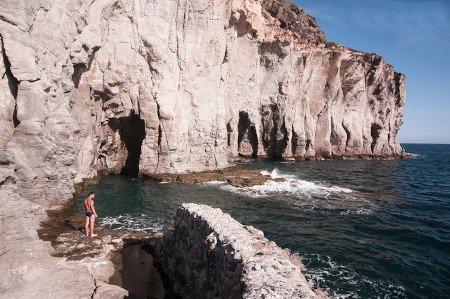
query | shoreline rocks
[237, 176]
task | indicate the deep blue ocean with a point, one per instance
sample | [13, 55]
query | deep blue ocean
[364, 229]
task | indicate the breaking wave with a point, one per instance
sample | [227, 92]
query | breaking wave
[347, 283]
[289, 184]
[133, 222]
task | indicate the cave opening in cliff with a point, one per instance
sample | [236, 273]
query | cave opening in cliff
[132, 133]
[247, 136]
[375, 132]
[274, 132]
[229, 131]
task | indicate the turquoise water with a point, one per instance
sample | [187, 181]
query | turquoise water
[364, 229]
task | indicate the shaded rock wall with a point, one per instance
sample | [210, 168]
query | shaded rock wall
[211, 255]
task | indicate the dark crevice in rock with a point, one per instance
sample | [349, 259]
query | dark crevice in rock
[149, 57]
[275, 48]
[95, 288]
[397, 80]
[159, 135]
[80, 68]
[226, 56]
[389, 135]
[274, 133]
[347, 132]
[375, 133]
[159, 125]
[132, 133]
[13, 83]
[229, 130]
[280, 88]
[247, 133]
[6, 20]
[282, 144]
[160, 131]
[308, 144]
[244, 123]
[334, 137]
[16, 121]
[370, 75]
[253, 139]
[294, 142]
[104, 95]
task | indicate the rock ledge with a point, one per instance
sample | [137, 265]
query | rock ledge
[214, 256]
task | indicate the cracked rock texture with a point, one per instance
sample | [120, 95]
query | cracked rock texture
[178, 86]
[214, 256]
[157, 86]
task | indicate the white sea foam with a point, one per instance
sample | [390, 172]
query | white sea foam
[133, 222]
[276, 174]
[214, 183]
[290, 185]
[322, 269]
[360, 211]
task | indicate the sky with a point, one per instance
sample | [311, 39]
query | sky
[414, 37]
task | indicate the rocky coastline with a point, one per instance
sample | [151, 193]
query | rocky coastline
[89, 88]
[119, 261]
[210, 243]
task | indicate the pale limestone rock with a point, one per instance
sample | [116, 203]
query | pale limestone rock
[25, 263]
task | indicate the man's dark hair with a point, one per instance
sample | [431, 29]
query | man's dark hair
[90, 193]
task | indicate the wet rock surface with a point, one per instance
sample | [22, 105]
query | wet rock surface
[236, 176]
[211, 255]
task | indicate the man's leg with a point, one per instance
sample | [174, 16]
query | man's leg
[92, 218]
[86, 226]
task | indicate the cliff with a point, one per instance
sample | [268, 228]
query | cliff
[95, 86]
[177, 86]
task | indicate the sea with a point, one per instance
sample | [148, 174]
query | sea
[363, 228]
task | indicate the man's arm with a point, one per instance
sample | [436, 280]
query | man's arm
[93, 209]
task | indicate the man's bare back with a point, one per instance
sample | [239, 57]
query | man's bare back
[88, 204]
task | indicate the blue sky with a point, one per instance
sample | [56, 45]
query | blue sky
[414, 37]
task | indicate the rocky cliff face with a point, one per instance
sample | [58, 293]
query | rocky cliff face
[176, 86]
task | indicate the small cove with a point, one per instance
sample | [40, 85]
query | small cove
[363, 228]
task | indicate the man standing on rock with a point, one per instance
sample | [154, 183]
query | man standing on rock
[89, 210]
